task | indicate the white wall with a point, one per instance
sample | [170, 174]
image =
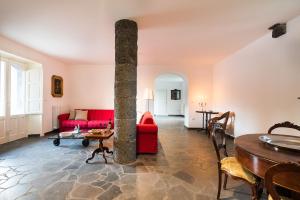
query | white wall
[50, 67]
[260, 83]
[172, 107]
[93, 86]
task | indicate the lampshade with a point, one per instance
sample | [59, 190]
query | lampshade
[148, 94]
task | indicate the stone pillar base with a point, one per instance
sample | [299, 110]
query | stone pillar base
[123, 151]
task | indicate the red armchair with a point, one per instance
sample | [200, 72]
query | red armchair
[146, 137]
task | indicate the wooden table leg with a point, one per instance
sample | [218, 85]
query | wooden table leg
[103, 152]
[101, 149]
[98, 150]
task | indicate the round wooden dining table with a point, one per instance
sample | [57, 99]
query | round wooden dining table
[257, 157]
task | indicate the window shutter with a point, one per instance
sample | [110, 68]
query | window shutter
[34, 91]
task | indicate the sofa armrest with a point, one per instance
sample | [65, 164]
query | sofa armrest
[64, 116]
[146, 128]
[61, 118]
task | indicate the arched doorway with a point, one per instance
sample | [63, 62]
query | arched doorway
[170, 95]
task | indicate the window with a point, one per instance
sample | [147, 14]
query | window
[2, 88]
[17, 90]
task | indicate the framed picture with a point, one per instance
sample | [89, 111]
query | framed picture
[57, 89]
[175, 94]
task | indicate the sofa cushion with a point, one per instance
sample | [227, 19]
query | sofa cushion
[81, 115]
[101, 115]
[147, 119]
[146, 113]
[73, 123]
[72, 115]
[97, 123]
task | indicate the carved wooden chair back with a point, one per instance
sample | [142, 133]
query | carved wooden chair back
[215, 122]
[286, 172]
[218, 137]
[286, 124]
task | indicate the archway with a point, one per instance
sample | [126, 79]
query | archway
[170, 95]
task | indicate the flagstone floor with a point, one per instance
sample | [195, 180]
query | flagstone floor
[184, 168]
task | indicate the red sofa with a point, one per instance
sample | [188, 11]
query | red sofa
[95, 119]
[146, 136]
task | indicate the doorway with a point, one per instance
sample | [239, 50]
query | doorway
[170, 95]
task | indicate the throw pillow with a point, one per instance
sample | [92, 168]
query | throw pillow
[81, 115]
[72, 115]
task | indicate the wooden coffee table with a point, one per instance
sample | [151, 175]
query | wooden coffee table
[101, 148]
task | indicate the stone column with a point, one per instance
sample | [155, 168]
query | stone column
[126, 34]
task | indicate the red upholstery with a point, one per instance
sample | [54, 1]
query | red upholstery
[100, 115]
[97, 123]
[96, 119]
[73, 123]
[146, 141]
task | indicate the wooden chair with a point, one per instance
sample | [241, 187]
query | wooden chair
[286, 124]
[218, 122]
[229, 166]
[287, 172]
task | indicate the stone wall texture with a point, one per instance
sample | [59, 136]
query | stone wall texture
[126, 35]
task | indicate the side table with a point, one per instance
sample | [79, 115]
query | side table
[101, 148]
[206, 115]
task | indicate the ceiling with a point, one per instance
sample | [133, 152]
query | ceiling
[171, 32]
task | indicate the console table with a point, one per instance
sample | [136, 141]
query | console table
[206, 115]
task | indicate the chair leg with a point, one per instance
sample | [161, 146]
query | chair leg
[260, 188]
[225, 182]
[220, 184]
[254, 189]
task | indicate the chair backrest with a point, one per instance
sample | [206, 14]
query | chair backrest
[286, 124]
[216, 121]
[218, 137]
[287, 172]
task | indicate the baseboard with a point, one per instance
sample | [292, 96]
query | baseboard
[51, 132]
[33, 135]
[194, 128]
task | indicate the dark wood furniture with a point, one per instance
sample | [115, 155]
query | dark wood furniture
[280, 172]
[206, 116]
[286, 124]
[101, 148]
[230, 165]
[218, 122]
[258, 157]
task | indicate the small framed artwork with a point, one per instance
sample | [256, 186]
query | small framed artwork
[57, 89]
[175, 94]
